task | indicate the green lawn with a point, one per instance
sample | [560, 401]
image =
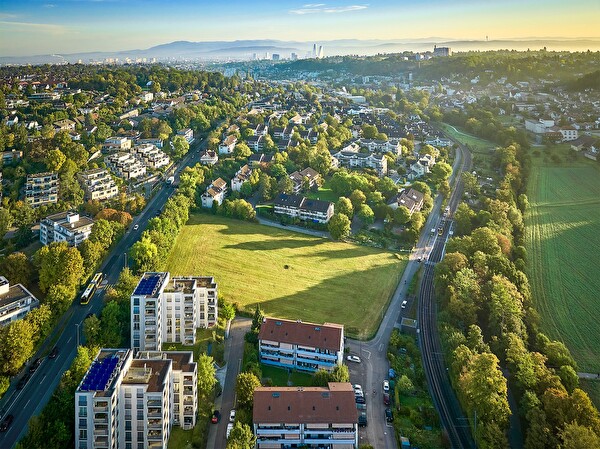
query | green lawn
[482, 150]
[563, 244]
[324, 193]
[290, 275]
[280, 377]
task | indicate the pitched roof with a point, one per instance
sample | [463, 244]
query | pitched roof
[325, 336]
[334, 404]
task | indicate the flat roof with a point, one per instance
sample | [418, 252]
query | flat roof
[15, 293]
[152, 373]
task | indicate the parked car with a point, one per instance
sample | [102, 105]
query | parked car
[386, 386]
[361, 406]
[359, 399]
[353, 358]
[136, 227]
[4, 425]
[391, 373]
[232, 416]
[357, 387]
[216, 417]
[386, 399]
[229, 429]
[389, 415]
[359, 394]
[404, 303]
[362, 419]
[35, 365]
[53, 353]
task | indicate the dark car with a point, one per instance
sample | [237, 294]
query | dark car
[4, 425]
[386, 399]
[216, 417]
[361, 406]
[23, 381]
[359, 399]
[389, 416]
[53, 353]
[35, 365]
[362, 419]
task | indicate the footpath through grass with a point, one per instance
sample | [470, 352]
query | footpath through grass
[290, 275]
[563, 246]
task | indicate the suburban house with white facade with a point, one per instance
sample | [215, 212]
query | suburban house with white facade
[298, 206]
[209, 157]
[125, 165]
[65, 227]
[227, 145]
[215, 192]
[411, 199]
[151, 156]
[301, 346]
[311, 417]
[15, 301]
[242, 175]
[354, 160]
[187, 134]
[298, 177]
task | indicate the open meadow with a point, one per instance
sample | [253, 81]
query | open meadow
[481, 149]
[290, 275]
[563, 245]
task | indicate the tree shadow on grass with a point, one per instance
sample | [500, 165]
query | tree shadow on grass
[357, 300]
[344, 253]
[276, 244]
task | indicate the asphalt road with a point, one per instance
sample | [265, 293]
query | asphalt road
[25, 403]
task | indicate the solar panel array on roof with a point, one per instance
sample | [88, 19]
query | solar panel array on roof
[99, 374]
[147, 285]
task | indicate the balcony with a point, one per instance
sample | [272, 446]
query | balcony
[99, 409]
[320, 355]
[188, 402]
[188, 411]
[281, 431]
[101, 432]
[154, 403]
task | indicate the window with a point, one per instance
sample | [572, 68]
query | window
[128, 394]
[83, 412]
[82, 423]
[127, 436]
[82, 400]
[139, 393]
[136, 301]
[82, 434]
[128, 424]
[140, 436]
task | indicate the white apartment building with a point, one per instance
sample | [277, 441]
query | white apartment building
[125, 165]
[187, 134]
[216, 191]
[41, 189]
[312, 417]
[355, 160]
[302, 346]
[209, 157]
[65, 227]
[126, 403]
[227, 145]
[165, 310]
[151, 155]
[15, 301]
[242, 175]
[98, 184]
[121, 143]
[185, 387]
[297, 206]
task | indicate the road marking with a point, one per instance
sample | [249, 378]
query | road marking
[70, 338]
[380, 347]
[42, 379]
[368, 352]
[28, 401]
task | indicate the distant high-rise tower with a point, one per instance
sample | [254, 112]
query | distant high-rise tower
[314, 52]
[320, 52]
[275, 57]
[294, 56]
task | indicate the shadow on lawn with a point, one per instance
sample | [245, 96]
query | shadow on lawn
[345, 253]
[352, 299]
[277, 244]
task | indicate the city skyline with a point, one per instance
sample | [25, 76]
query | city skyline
[69, 26]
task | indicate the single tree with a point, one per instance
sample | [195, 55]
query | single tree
[245, 386]
[339, 226]
[228, 313]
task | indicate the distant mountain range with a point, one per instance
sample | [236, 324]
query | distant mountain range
[248, 49]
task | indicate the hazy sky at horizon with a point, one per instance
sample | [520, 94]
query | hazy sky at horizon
[30, 27]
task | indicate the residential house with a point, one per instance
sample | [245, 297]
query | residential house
[41, 189]
[411, 199]
[165, 310]
[215, 192]
[255, 143]
[421, 167]
[260, 160]
[97, 184]
[311, 417]
[64, 125]
[65, 227]
[227, 145]
[158, 143]
[298, 178]
[297, 206]
[209, 157]
[242, 175]
[380, 146]
[11, 157]
[187, 134]
[15, 301]
[117, 143]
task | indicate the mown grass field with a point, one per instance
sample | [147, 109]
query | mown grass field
[290, 275]
[482, 150]
[563, 243]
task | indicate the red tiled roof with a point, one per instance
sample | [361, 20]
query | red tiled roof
[324, 336]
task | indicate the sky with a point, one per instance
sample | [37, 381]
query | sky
[30, 27]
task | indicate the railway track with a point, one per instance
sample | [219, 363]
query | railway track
[451, 416]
